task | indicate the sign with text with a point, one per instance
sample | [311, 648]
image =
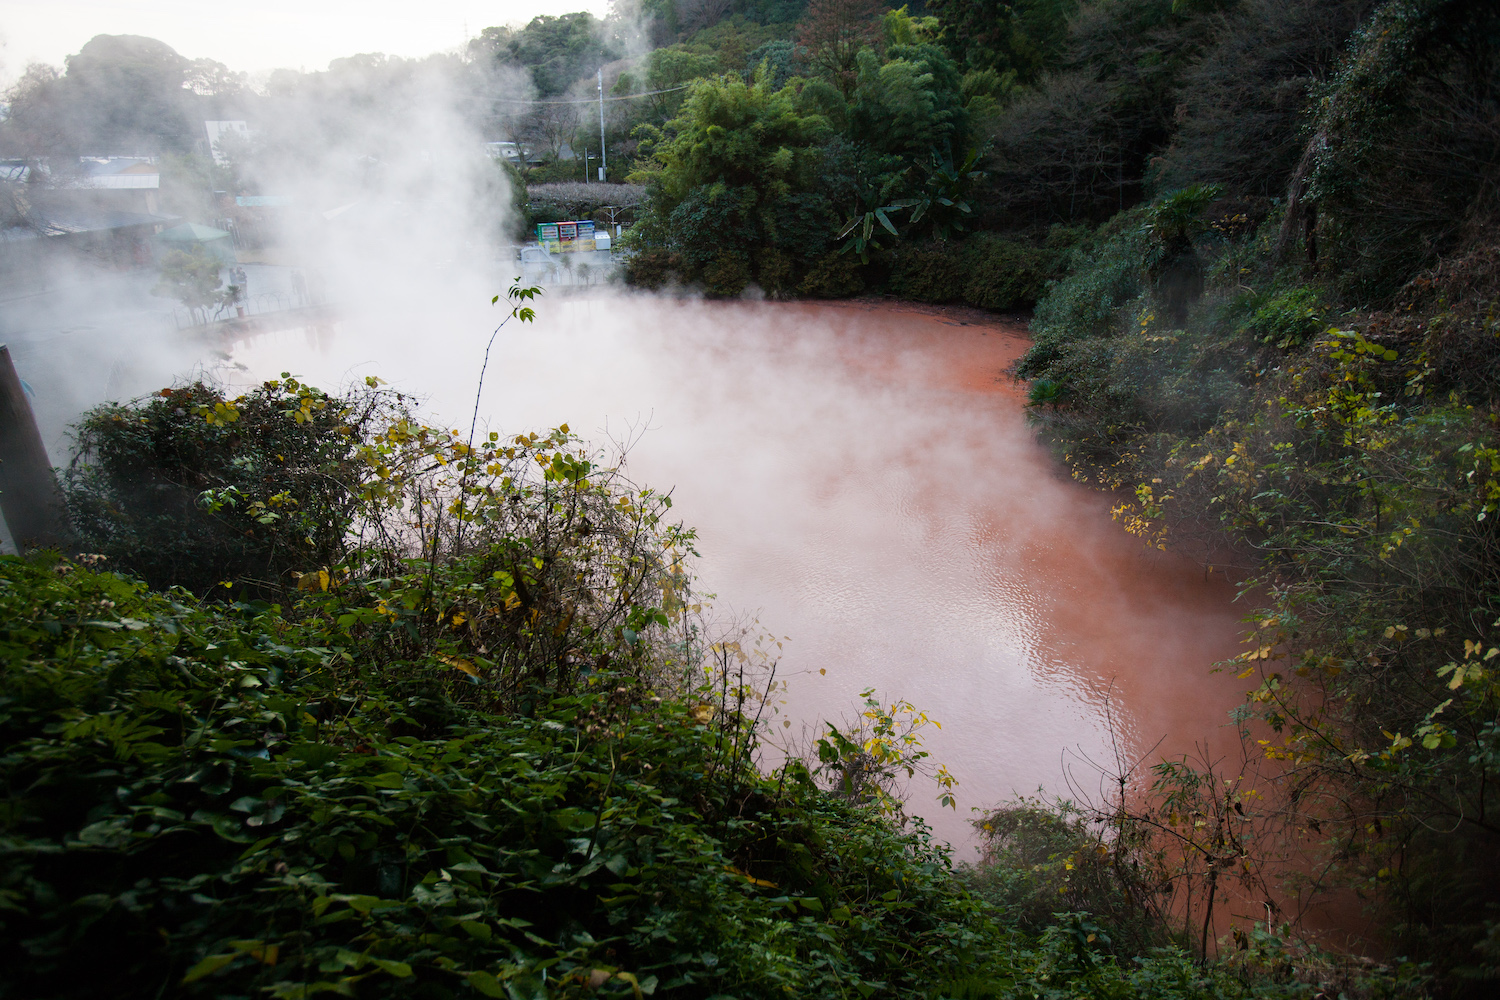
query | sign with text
[566, 237]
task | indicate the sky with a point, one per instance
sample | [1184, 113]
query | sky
[260, 36]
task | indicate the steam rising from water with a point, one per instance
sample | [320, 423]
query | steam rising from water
[388, 196]
[865, 485]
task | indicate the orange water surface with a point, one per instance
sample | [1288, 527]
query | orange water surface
[865, 484]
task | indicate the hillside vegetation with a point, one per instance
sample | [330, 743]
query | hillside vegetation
[1284, 360]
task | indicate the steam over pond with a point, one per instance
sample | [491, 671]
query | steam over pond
[862, 477]
[864, 484]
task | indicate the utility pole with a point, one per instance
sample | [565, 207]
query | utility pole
[603, 152]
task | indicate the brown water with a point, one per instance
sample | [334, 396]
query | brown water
[864, 483]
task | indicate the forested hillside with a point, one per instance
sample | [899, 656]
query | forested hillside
[1284, 355]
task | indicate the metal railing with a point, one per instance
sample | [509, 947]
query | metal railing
[564, 270]
[264, 304]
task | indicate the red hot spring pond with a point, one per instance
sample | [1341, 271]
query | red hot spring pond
[865, 484]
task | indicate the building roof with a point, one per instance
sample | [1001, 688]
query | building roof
[116, 173]
[95, 173]
[63, 221]
[48, 222]
[193, 232]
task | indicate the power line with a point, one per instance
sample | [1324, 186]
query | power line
[627, 97]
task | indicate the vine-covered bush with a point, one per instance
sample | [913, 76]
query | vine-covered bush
[192, 488]
[1405, 147]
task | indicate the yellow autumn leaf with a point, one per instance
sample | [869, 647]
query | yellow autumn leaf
[457, 664]
[750, 878]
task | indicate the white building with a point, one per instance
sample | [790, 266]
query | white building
[217, 131]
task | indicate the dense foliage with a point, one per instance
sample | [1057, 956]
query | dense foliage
[194, 489]
[234, 802]
[833, 161]
[1316, 377]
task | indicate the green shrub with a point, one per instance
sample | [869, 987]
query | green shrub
[538, 213]
[1039, 858]
[1286, 319]
[726, 275]
[927, 272]
[1088, 302]
[776, 272]
[190, 488]
[987, 270]
[653, 269]
[214, 802]
[832, 276]
[559, 172]
[1005, 274]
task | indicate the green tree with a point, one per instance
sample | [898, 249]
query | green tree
[906, 116]
[120, 94]
[675, 66]
[557, 50]
[191, 277]
[1022, 40]
[781, 58]
[737, 184]
[909, 104]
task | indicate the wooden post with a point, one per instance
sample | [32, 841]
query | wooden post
[30, 497]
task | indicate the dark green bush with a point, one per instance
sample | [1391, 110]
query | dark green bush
[987, 270]
[191, 488]
[726, 275]
[1088, 301]
[832, 276]
[211, 803]
[653, 269]
[1039, 858]
[1005, 274]
[1286, 319]
[927, 272]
